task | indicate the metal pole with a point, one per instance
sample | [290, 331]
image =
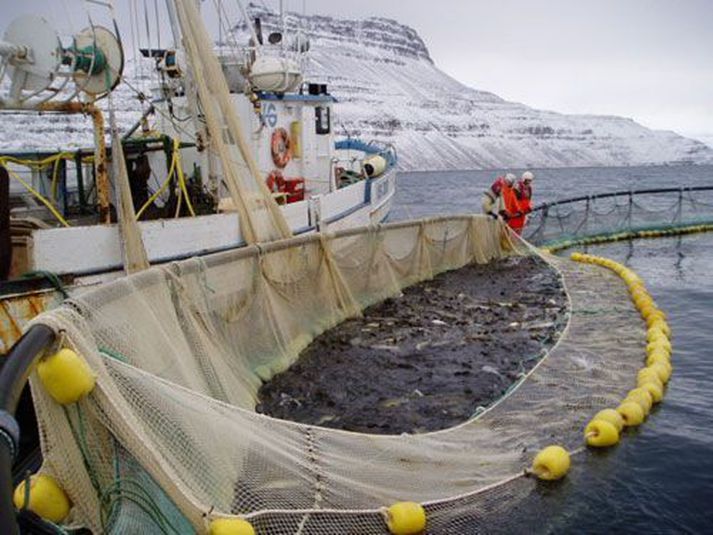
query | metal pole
[173, 20]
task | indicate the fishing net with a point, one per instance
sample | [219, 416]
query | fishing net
[169, 438]
[560, 222]
[260, 217]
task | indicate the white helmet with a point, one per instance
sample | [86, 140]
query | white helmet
[528, 175]
[510, 178]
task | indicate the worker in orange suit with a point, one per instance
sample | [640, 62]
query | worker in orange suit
[523, 194]
[510, 211]
[493, 200]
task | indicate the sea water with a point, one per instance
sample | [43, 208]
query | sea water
[659, 479]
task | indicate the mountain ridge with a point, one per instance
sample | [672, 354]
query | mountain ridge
[437, 122]
[389, 89]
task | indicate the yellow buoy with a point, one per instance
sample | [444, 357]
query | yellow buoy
[647, 373]
[653, 334]
[662, 371]
[577, 257]
[66, 376]
[631, 412]
[601, 434]
[641, 381]
[655, 316]
[231, 526]
[47, 499]
[658, 357]
[642, 397]
[642, 301]
[647, 310]
[657, 347]
[406, 518]
[654, 390]
[660, 323]
[611, 416]
[551, 463]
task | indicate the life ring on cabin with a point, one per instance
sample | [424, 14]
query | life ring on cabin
[281, 147]
[275, 182]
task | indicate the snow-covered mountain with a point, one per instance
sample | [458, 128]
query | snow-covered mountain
[390, 90]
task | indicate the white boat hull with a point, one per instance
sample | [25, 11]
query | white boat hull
[93, 250]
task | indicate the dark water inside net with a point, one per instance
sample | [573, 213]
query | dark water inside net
[660, 478]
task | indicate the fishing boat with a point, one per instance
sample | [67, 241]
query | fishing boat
[61, 221]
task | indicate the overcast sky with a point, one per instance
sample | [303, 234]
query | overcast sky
[651, 60]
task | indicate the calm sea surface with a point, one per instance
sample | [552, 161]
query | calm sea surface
[659, 479]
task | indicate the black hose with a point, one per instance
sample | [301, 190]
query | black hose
[15, 372]
[7, 509]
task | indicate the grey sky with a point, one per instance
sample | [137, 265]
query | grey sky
[651, 60]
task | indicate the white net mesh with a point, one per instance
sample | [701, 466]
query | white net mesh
[561, 222]
[169, 438]
[260, 218]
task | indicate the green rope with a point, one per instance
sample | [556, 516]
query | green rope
[53, 278]
[113, 354]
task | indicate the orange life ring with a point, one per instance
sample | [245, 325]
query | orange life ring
[275, 182]
[281, 147]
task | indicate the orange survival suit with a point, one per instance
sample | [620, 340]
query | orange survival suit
[523, 198]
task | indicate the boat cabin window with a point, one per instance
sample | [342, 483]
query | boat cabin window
[323, 119]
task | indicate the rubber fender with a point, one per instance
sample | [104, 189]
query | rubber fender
[66, 376]
[601, 434]
[406, 518]
[611, 416]
[47, 499]
[375, 166]
[551, 463]
[631, 412]
[231, 526]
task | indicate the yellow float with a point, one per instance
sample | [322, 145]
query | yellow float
[406, 518]
[632, 413]
[46, 497]
[551, 463]
[66, 376]
[601, 434]
[611, 416]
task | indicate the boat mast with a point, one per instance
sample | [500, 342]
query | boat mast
[203, 138]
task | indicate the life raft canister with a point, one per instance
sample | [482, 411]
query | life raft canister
[281, 147]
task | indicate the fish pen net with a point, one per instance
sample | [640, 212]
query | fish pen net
[169, 440]
[561, 223]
